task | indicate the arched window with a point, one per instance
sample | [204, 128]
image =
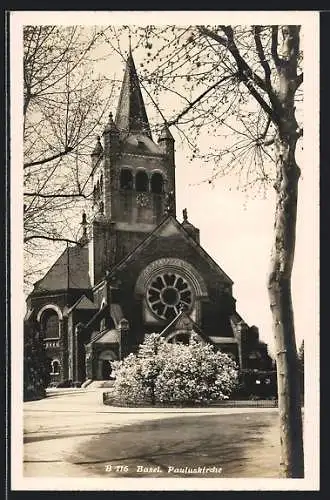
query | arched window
[50, 324]
[142, 182]
[55, 367]
[126, 179]
[157, 183]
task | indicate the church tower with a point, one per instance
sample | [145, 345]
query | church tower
[133, 179]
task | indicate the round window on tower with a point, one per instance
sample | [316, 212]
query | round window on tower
[167, 294]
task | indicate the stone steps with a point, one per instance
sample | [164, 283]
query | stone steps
[100, 384]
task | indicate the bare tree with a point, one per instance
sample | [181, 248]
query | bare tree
[64, 102]
[244, 82]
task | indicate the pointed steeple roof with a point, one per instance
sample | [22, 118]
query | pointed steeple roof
[98, 150]
[111, 126]
[131, 116]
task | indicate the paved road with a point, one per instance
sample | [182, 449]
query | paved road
[73, 434]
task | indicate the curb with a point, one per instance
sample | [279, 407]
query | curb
[239, 404]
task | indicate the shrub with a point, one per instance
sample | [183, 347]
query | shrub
[163, 373]
[136, 375]
[36, 366]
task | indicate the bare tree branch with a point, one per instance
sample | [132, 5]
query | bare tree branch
[50, 158]
[300, 79]
[49, 238]
[199, 98]
[246, 74]
[261, 54]
[69, 195]
[274, 45]
[230, 44]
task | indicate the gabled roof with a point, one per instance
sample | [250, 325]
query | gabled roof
[168, 225]
[100, 314]
[69, 271]
[184, 321]
[106, 337]
[131, 116]
[83, 303]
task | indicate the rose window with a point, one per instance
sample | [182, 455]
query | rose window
[167, 294]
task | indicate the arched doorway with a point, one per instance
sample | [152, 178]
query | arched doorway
[180, 338]
[183, 337]
[106, 369]
[105, 359]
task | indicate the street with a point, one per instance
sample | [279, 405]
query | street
[72, 434]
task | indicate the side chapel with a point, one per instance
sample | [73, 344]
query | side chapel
[136, 269]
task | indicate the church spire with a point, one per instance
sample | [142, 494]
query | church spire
[131, 116]
[130, 44]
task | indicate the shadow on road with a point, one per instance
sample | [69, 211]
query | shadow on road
[240, 445]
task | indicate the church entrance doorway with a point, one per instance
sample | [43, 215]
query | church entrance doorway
[181, 337]
[104, 368]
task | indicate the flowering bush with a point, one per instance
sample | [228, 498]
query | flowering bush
[136, 375]
[166, 373]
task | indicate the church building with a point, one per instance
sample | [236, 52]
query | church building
[136, 269]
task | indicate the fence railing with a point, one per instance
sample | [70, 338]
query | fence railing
[228, 403]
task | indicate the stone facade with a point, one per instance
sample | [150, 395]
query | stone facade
[137, 269]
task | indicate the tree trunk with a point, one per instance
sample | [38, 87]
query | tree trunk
[279, 287]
